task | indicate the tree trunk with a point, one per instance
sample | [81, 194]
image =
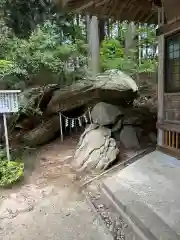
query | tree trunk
[94, 52]
[101, 30]
[130, 38]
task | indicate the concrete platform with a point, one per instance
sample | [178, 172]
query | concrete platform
[147, 196]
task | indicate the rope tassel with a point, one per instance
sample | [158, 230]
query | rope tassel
[85, 118]
[80, 122]
[66, 122]
[72, 123]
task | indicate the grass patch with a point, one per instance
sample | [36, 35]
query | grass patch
[10, 171]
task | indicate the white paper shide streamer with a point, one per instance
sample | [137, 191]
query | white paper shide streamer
[85, 118]
[74, 122]
[80, 122]
[66, 122]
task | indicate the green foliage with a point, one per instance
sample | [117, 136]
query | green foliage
[58, 44]
[10, 68]
[114, 56]
[10, 172]
[148, 65]
[23, 16]
[25, 58]
[148, 39]
[6, 66]
[111, 52]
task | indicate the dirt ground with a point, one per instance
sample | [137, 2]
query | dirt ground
[51, 187]
[48, 204]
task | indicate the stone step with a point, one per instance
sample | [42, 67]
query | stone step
[144, 196]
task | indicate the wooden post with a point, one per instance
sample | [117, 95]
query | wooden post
[6, 136]
[160, 77]
[61, 128]
[93, 40]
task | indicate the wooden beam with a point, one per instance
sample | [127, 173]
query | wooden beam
[82, 7]
[92, 3]
[136, 12]
[115, 6]
[169, 127]
[148, 17]
[168, 28]
[100, 3]
[122, 8]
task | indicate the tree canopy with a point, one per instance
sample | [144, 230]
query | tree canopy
[36, 36]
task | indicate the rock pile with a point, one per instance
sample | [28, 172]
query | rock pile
[97, 148]
[115, 122]
[37, 122]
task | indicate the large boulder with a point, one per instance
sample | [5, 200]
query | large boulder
[32, 103]
[114, 87]
[96, 149]
[43, 133]
[128, 138]
[105, 114]
[34, 100]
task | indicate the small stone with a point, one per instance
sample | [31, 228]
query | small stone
[125, 225]
[111, 228]
[104, 214]
[107, 225]
[30, 208]
[100, 206]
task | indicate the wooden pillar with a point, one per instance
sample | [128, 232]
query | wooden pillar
[130, 42]
[160, 77]
[93, 40]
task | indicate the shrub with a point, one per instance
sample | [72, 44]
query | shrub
[10, 172]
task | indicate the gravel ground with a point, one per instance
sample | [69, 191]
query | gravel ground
[49, 205]
[112, 220]
[109, 216]
[61, 214]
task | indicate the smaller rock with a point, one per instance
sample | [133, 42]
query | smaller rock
[125, 225]
[105, 114]
[107, 225]
[129, 138]
[153, 137]
[117, 126]
[116, 136]
[139, 132]
[100, 206]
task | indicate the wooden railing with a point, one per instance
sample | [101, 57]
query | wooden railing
[172, 140]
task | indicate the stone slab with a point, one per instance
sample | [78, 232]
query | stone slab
[147, 192]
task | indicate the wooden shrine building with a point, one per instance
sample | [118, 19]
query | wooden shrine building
[165, 13]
